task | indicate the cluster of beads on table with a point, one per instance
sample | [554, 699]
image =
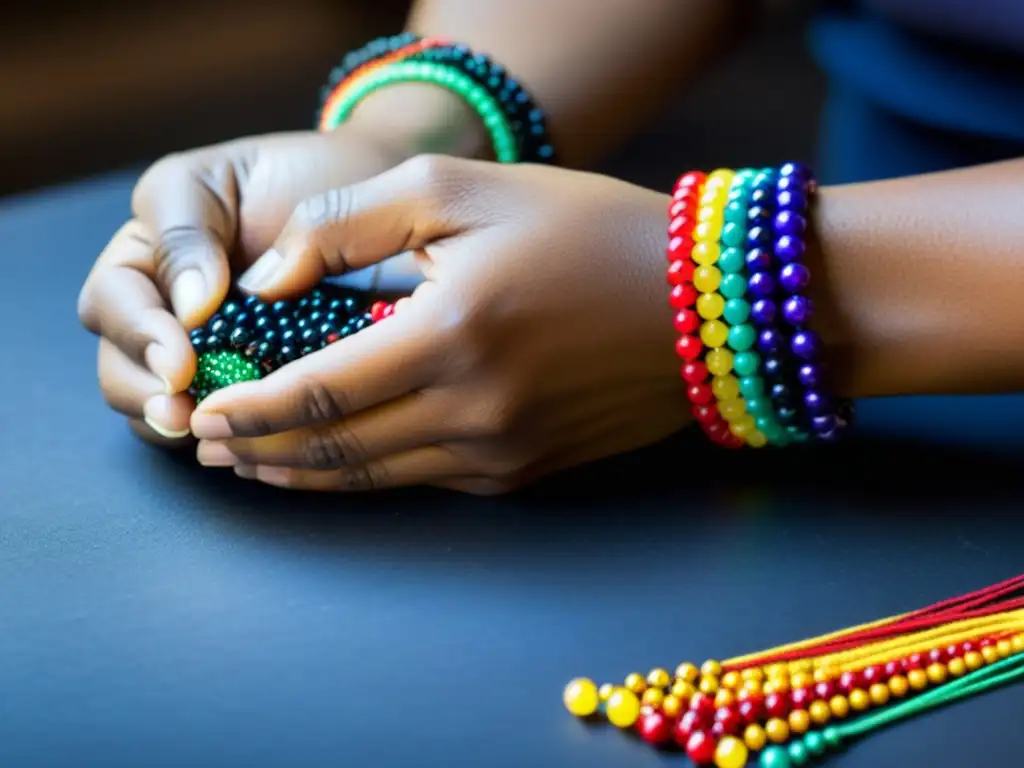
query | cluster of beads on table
[249, 338]
[782, 711]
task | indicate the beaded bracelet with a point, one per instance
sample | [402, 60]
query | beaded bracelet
[502, 103]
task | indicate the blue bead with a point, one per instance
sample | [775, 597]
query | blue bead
[763, 312]
[797, 310]
[805, 345]
[789, 249]
[816, 402]
[789, 223]
[769, 340]
[759, 237]
[761, 284]
[809, 375]
[794, 278]
[772, 367]
[791, 200]
[759, 260]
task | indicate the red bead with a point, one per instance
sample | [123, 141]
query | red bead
[937, 656]
[870, 675]
[389, 310]
[776, 705]
[700, 747]
[800, 698]
[891, 669]
[749, 711]
[688, 180]
[717, 431]
[683, 206]
[683, 296]
[730, 720]
[732, 442]
[695, 372]
[706, 414]
[331, 338]
[377, 310]
[848, 682]
[679, 247]
[988, 642]
[704, 706]
[686, 726]
[913, 661]
[755, 696]
[700, 394]
[824, 690]
[687, 321]
[655, 728]
[682, 222]
[689, 348]
[680, 272]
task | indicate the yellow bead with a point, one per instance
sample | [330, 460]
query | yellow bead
[659, 678]
[636, 683]
[879, 693]
[974, 660]
[705, 254]
[859, 700]
[918, 679]
[580, 697]
[623, 708]
[778, 684]
[769, 687]
[731, 753]
[672, 706]
[711, 668]
[753, 686]
[799, 721]
[755, 738]
[753, 673]
[990, 654]
[777, 670]
[707, 279]
[706, 212]
[724, 698]
[957, 667]
[652, 697]
[756, 439]
[801, 665]
[683, 689]
[730, 679]
[710, 306]
[732, 409]
[741, 429]
[605, 691]
[801, 679]
[825, 674]
[708, 685]
[937, 673]
[688, 672]
[1017, 644]
[819, 712]
[719, 363]
[723, 176]
[725, 387]
[777, 730]
[898, 686]
[714, 333]
[839, 706]
[707, 231]
[1005, 648]
[713, 197]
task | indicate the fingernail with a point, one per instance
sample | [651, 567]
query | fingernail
[246, 471]
[158, 361]
[211, 426]
[273, 475]
[188, 293]
[170, 434]
[212, 454]
[261, 274]
[156, 412]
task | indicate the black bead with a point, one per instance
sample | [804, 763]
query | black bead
[240, 337]
[786, 416]
[772, 367]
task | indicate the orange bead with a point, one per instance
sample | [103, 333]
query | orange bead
[801, 665]
[826, 674]
[755, 738]
[658, 678]
[819, 712]
[708, 685]
[1017, 643]
[724, 698]
[731, 680]
[751, 686]
[859, 700]
[777, 670]
[839, 706]
[653, 697]
[753, 673]
[799, 721]
[937, 673]
[684, 690]
[635, 682]
[918, 679]
[688, 672]
[879, 693]
[1005, 648]
[957, 667]
[974, 661]
[801, 680]
[779, 685]
[711, 668]
[777, 730]
[672, 706]
[898, 686]
[990, 654]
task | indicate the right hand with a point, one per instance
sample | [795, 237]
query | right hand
[198, 218]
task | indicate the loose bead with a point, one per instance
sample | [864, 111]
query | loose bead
[1017, 644]
[731, 753]
[708, 685]
[688, 672]
[652, 697]
[725, 697]
[848, 681]
[711, 668]
[714, 333]
[605, 691]
[957, 667]
[700, 748]
[824, 690]
[898, 686]
[974, 660]
[581, 697]
[1004, 647]
[801, 680]
[859, 700]
[658, 678]
[776, 705]
[918, 679]
[710, 306]
[730, 679]
[798, 753]
[754, 737]
[705, 254]
[819, 712]
[990, 654]
[622, 708]
[684, 689]
[672, 706]
[775, 757]
[839, 706]
[729, 720]
[777, 730]
[879, 693]
[687, 321]
[937, 673]
[635, 682]
[800, 697]
[655, 728]
[799, 721]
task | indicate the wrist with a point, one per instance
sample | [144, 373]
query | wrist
[412, 119]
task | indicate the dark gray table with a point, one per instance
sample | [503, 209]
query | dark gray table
[152, 614]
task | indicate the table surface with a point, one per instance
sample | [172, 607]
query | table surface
[152, 613]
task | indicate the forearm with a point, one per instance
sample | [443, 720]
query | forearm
[598, 69]
[921, 282]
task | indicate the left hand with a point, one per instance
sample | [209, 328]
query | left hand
[540, 337]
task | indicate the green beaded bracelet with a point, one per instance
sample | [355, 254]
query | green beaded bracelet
[449, 78]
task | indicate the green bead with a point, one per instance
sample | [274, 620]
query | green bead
[733, 234]
[751, 386]
[731, 259]
[798, 754]
[833, 738]
[735, 213]
[815, 743]
[775, 757]
[734, 286]
[759, 406]
[736, 311]
[746, 363]
[742, 337]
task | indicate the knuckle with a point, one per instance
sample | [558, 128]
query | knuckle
[314, 221]
[331, 448]
[368, 477]
[428, 170]
[322, 403]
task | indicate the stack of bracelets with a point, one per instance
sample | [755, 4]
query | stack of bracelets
[739, 288]
[248, 338]
[793, 705]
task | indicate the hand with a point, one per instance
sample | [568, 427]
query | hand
[197, 218]
[541, 337]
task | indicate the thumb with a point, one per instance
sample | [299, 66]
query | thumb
[343, 230]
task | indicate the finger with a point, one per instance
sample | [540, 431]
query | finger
[147, 433]
[190, 207]
[355, 227]
[120, 302]
[418, 467]
[133, 391]
[381, 363]
[401, 425]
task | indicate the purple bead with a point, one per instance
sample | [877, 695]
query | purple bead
[794, 277]
[795, 169]
[809, 375]
[791, 200]
[769, 340]
[805, 345]
[758, 260]
[824, 423]
[759, 237]
[797, 310]
[789, 249]
[828, 437]
[762, 312]
[790, 223]
[761, 284]
[816, 402]
[790, 183]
